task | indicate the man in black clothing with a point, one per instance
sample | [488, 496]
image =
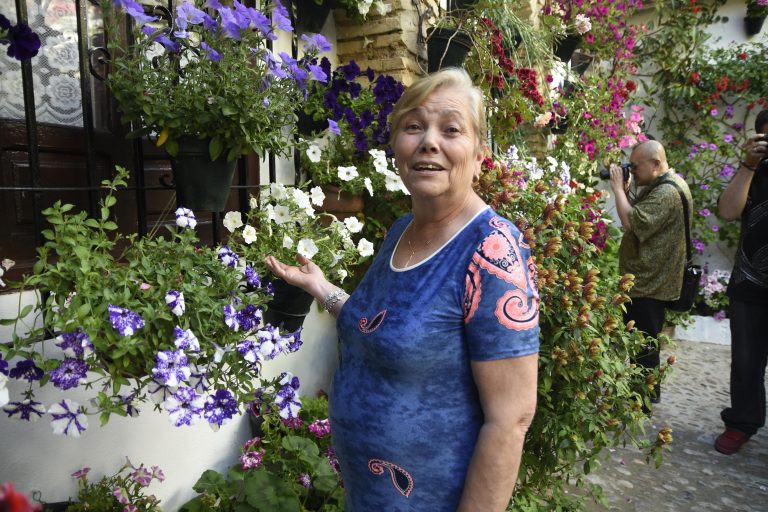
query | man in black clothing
[747, 197]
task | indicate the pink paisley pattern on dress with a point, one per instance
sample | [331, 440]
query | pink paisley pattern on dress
[499, 254]
[515, 312]
[376, 322]
[401, 479]
[472, 292]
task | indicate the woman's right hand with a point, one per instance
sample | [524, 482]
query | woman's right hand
[308, 276]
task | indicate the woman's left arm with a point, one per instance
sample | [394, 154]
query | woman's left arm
[507, 389]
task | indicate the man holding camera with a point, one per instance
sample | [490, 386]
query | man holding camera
[653, 245]
[746, 196]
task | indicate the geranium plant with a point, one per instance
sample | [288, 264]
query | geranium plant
[290, 466]
[283, 222]
[169, 80]
[122, 491]
[160, 318]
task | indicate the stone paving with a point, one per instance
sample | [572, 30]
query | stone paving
[693, 477]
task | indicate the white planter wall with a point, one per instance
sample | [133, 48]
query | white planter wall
[705, 329]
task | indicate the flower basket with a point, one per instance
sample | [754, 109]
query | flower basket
[753, 25]
[446, 47]
[288, 308]
[565, 47]
[201, 184]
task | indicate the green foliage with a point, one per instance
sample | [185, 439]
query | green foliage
[289, 467]
[123, 490]
[589, 398]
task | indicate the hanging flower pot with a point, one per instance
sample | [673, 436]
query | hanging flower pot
[340, 203]
[460, 5]
[565, 47]
[753, 25]
[311, 16]
[288, 308]
[201, 184]
[446, 47]
[580, 62]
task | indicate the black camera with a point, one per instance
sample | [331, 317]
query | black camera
[605, 172]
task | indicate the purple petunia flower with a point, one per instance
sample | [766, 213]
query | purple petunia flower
[81, 473]
[719, 316]
[172, 367]
[123, 320]
[320, 428]
[161, 38]
[68, 418]
[128, 402]
[75, 344]
[28, 410]
[185, 218]
[305, 480]
[220, 408]
[727, 171]
[185, 339]
[715, 228]
[286, 399]
[227, 257]
[704, 212]
[317, 73]
[3, 365]
[70, 374]
[142, 476]
[27, 370]
[738, 126]
[713, 112]
[175, 301]
[250, 460]
[188, 13]
[249, 349]
[293, 341]
[23, 43]
[198, 379]
[211, 54]
[184, 407]
[316, 42]
[281, 17]
[698, 245]
[728, 138]
[251, 277]
[333, 127]
[136, 11]
[249, 317]
[231, 318]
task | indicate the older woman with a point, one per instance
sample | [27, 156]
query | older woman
[436, 384]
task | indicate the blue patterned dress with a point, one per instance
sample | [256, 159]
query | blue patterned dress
[405, 413]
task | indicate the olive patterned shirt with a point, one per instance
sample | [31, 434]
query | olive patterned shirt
[654, 250]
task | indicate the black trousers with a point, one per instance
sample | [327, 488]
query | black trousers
[749, 350]
[648, 315]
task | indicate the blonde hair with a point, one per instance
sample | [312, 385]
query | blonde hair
[414, 96]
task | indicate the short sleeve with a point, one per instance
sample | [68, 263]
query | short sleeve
[654, 212]
[501, 300]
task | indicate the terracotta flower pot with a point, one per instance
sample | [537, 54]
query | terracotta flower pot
[339, 203]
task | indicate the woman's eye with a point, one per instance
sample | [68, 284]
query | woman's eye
[453, 129]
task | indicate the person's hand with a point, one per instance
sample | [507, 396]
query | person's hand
[617, 180]
[756, 149]
[308, 276]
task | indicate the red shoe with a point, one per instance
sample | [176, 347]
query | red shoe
[730, 441]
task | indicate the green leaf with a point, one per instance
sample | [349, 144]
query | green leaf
[193, 505]
[25, 310]
[268, 493]
[209, 482]
[84, 310]
[215, 148]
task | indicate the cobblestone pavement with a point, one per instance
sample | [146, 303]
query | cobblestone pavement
[693, 477]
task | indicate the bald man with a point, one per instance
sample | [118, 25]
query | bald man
[653, 245]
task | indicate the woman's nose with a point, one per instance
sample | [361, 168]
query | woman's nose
[429, 141]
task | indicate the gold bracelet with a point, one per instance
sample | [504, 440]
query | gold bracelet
[332, 298]
[752, 168]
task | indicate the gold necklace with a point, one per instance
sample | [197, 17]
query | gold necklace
[410, 248]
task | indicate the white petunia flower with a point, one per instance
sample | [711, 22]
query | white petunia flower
[368, 185]
[307, 248]
[341, 274]
[253, 203]
[287, 242]
[249, 234]
[353, 224]
[314, 153]
[232, 221]
[365, 248]
[270, 210]
[317, 196]
[282, 214]
[301, 199]
[278, 191]
[393, 183]
[348, 173]
[381, 7]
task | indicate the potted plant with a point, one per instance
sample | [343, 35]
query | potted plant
[168, 82]
[290, 466]
[161, 319]
[757, 10]
[282, 222]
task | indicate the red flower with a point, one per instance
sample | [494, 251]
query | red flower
[695, 77]
[743, 55]
[696, 8]
[13, 501]
[631, 86]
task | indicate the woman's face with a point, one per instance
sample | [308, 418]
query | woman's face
[436, 149]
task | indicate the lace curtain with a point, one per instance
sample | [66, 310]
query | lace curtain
[55, 69]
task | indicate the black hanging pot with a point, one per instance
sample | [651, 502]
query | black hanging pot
[753, 25]
[288, 307]
[460, 5]
[311, 16]
[446, 47]
[580, 62]
[201, 184]
[565, 47]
